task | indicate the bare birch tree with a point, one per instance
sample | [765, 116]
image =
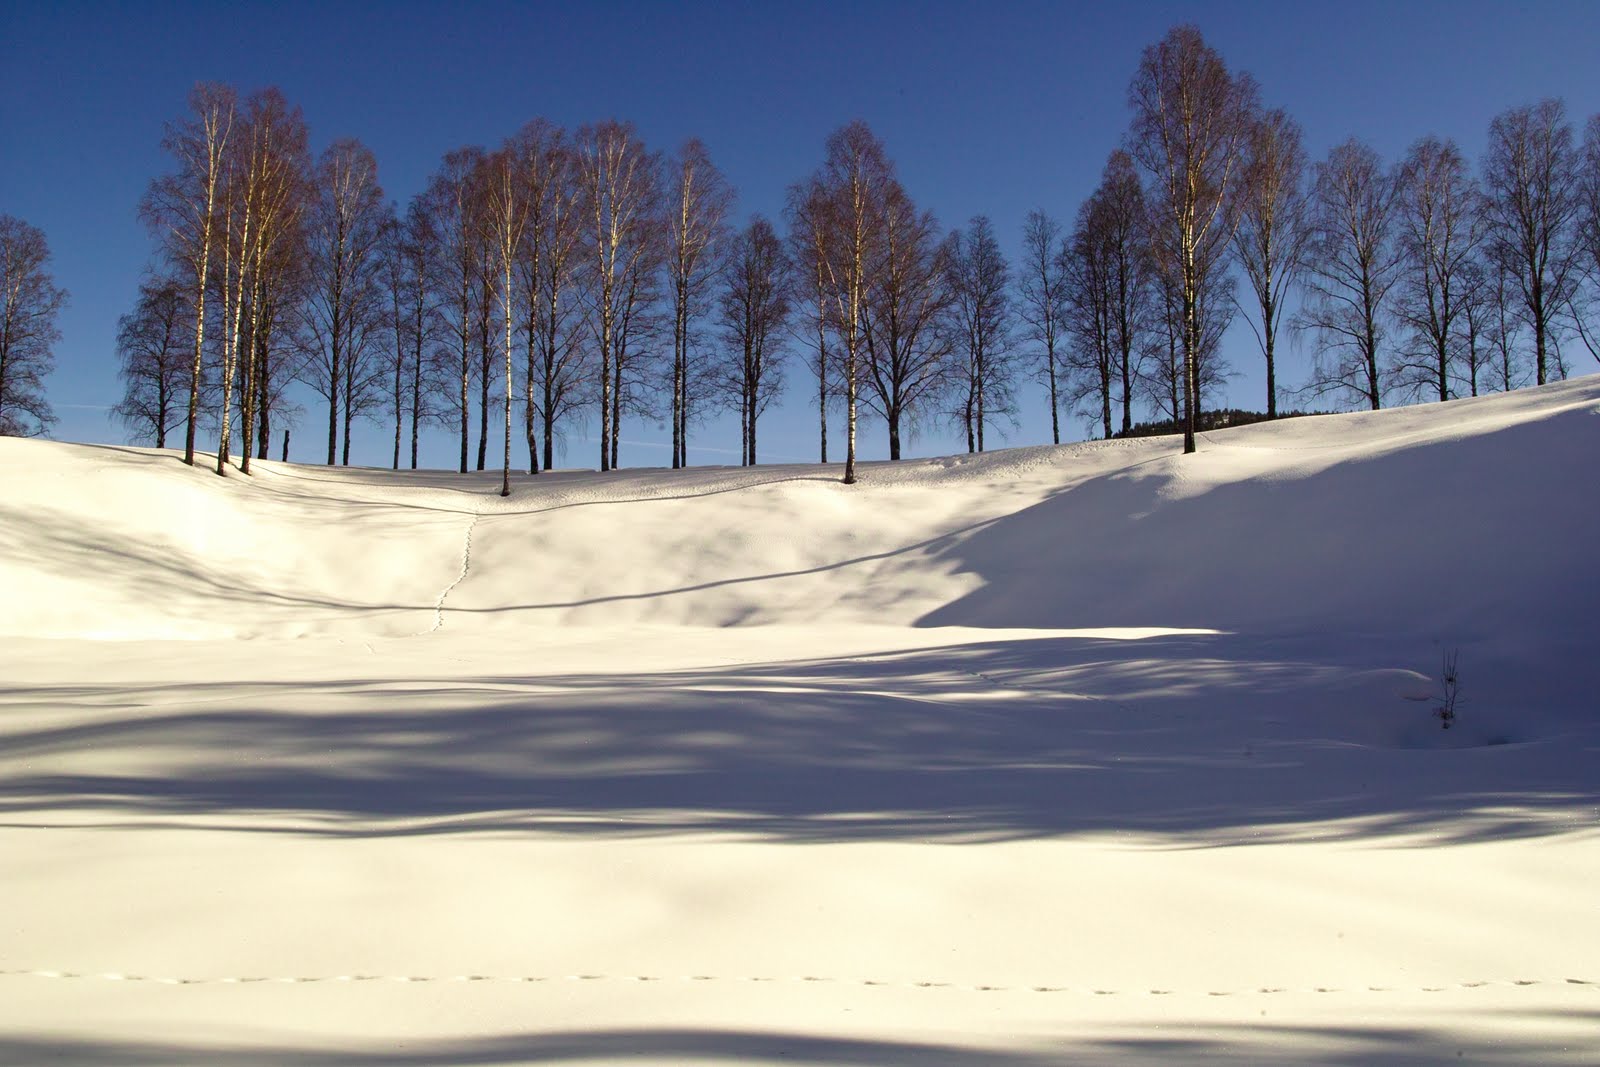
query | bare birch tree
[1162, 372]
[854, 179]
[452, 204]
[1274, 228]
[1191, 117]
[809, 218]
[1110, 296]
[621, 183]
[264, 201]
[640, 324]
[284, 198]
[29, 304]
[181, 208]
[1089, 295]
[1354, 263]
[906, 356]
[508, 196]
[1163, 363]
[1040, 285]
[1530, 181]
[152, 361]
[1506, 325]
[345, 308]
[979, 284]
[1476, 322]
[1439, 234]
[700, 199]
[1122, 215]
[278, 350]
[409, 252]
[485, 330]
[392, 270]
[552, 298]
[753, 307]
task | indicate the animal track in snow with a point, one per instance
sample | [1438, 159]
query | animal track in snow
[466, 565]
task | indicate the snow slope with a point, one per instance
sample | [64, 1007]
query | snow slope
[1095, 753]
[1444, 520]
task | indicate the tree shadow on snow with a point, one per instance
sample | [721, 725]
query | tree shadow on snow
[1176, 1043]
[1187, 741]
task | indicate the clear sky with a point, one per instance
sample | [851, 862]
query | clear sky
[987, 108]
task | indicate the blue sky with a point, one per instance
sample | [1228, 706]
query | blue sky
[986, 108]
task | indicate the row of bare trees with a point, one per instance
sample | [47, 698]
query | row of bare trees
[899, 320]
[567, 278]
[619, 271]
[560, 276]
[1414, 281]
[1427, 281]
[544, 277]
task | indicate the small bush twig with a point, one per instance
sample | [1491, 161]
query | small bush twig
[1451, 680]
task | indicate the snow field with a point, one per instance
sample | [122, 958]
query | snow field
[1093, 754]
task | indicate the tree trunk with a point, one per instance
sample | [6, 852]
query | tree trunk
[1104, 361]
[1272, 370]
[1536, 305]
[230, 336]
[850, 422]
[530, 429]
[505, 466]
[747, 407]
[247, 413]
[416, 399]
[677, 380]
[1472, 359]
[483, 408]
[349, 411]
[163, 405]
[1191, 342]
[1127, 386]
[335, 368]
[264, 410]
[1055, 407]
[549, 415]
[466, 403]
[399, 410]
[616, 408]
[200, 313]
[822, 395]
[605, 402]
[981, 413]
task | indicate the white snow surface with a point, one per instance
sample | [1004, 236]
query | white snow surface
[1083, 754]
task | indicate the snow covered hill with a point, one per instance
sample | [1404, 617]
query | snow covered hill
[1090, 754]
[1466, 521]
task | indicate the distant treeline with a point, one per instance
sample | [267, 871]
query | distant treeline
[573, 277]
